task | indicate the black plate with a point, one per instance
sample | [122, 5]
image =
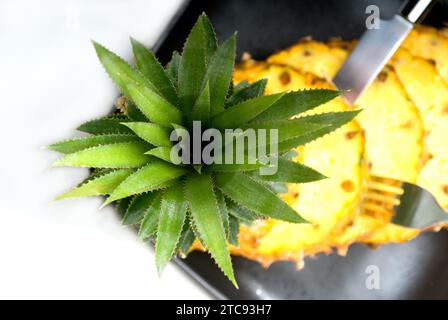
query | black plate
[415, 270]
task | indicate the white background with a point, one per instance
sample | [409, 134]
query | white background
[50, 82]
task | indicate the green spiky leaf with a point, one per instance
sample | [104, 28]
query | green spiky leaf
[219, 74]
[193, 65]
[150, 132]
[106, 125]
[148, 227]
[207, 220]
[186, 239]
[291, 172]
[120, 71]
[201, 109]
[153, 176]
[294, 103]
[172, 68]
[117, 155]
[235, 167]
[153, 106]
[330, 122]
[163, 153]
[241, 213]
[137, 208]
[100, 184]
[122, 206]
[234, 226]
[241, 189]
[240, 86]
[172, 215]
[211, 42]
[150, 67]
[246, 92]
[78, 144]
[134, 113]
[223, 210]
[240, 114]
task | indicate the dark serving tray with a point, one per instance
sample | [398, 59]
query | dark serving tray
[415, 270]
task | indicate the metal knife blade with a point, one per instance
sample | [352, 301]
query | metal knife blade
[375, 48]
[370, 55]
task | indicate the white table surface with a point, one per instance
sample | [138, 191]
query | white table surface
[51, 81]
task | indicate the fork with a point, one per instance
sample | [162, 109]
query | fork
[407, 204]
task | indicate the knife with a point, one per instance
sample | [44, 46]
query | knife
[376, 47]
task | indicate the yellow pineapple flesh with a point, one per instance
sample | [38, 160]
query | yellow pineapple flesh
[330, 205]
[400, 134]
[432, 44]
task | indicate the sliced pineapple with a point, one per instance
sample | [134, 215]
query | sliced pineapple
[408, 99]
[424, 86]
[432, 44]
[314, 57]
[377, 232]
[394, 134]
[394, 129]
[430, 93]
[434, 177]
[392, 123]
[436, 144]
[330, 205]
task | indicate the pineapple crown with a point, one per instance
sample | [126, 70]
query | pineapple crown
[129, 151]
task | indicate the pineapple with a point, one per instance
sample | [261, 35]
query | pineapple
[404, 124]
[314, 57]
[432, 44]
[434, 177]
[389, 113]
[430, 94]
[429, 91]
[330, 205]
[177, 202]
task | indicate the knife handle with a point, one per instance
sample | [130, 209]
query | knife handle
[415, 10]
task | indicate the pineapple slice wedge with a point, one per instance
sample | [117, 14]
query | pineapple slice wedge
[434, 177]
[394, 129]
[314, 57]
[430, 94]
[330, 205]
[392, 125]
[432, 44]
[403, 137]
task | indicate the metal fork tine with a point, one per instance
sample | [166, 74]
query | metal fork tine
[410, 205]
[380, 186]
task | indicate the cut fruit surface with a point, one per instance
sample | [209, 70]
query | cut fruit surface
[401, 134]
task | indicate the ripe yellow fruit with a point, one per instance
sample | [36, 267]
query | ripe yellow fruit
[432, 44]
[429, 91]
[400, 134]
[314, 57]
[330, 205]
[434, 177]
[394, 129]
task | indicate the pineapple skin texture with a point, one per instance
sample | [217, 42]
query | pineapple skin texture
[400, 134]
